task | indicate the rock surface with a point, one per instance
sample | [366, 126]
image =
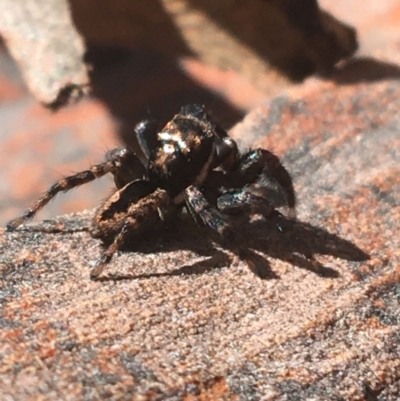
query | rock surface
[38, 147]
[44, 41]
[182, 319]
[50, 40]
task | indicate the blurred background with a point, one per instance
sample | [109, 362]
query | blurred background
[147, 58]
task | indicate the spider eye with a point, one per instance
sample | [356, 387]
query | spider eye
[168, 148]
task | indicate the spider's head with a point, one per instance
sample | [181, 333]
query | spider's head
[225, 148]
[185, 150]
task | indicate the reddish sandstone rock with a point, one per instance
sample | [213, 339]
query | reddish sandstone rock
[188, 321]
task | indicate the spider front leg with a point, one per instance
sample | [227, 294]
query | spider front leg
[126, 215]
[242, 200]
[117, 159]
[146, 134]
[125, 166]
[119, 240]
[256, 166]
[201, 209]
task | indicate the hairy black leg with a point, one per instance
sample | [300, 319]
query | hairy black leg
[213, 218]
[136, 218]
[226, 150]
[146, 134]
[126, 166]
[201, 209]
[108, 254]
[112, 164]
[111, 215]
[256, 166]
[242, 200]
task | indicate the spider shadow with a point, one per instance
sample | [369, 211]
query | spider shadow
[276, 237]
[297, 243]
[215, 260]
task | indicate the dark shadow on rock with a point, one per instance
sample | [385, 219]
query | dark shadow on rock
[258, 264]
[295, 36]
[276, 237]
[144, 83]
[297, 243]
[308, 240]
[218, 259]
[365, 69]
[134, 48]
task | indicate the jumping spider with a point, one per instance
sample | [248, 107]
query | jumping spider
[191, 163]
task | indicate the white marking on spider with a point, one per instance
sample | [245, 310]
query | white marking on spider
[168, 148]
[176, 138]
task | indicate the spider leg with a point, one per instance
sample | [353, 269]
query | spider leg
[256, 166]
[125, 166]
[241, 200]
[226, 149]
[244, 200]
[201, 209]
[137, 217]
[108, 254]
[115, 159]
[111, 215]
[146, 134]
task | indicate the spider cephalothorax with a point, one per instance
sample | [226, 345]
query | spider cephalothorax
[191, 163]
